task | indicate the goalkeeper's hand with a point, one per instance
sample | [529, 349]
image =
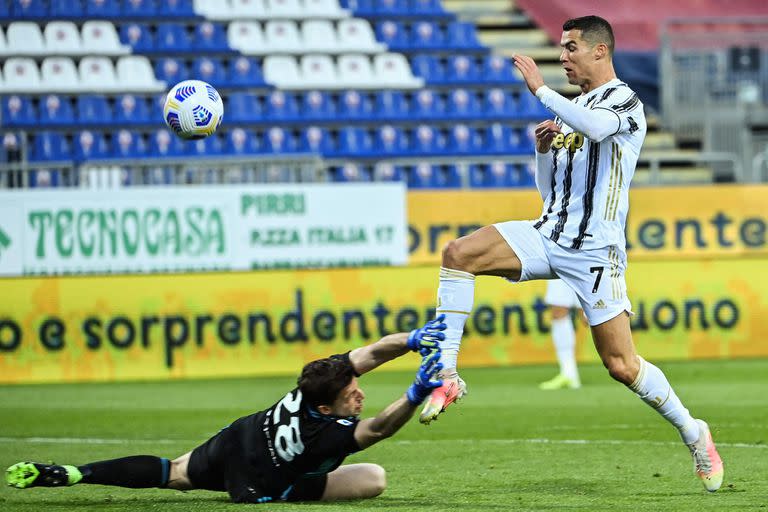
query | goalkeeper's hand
[428, 337]
[426, 378]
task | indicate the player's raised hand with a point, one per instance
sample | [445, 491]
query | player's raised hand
[426, 378]
[545, 132]
[530, 72]
[428, 337]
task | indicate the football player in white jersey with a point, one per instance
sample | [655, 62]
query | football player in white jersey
[561, 300]
[585, 159]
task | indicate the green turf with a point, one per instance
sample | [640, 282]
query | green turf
[508, 446]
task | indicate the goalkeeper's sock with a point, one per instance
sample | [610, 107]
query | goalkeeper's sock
[455, 297]
[136, 472]
[654, 389]
[564, 339]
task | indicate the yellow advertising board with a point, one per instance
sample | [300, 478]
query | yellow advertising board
[670, 222]
[96, 328]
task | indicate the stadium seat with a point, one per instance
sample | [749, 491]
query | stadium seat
[393, 35]
[102, 8]
[461, 70]
[59, 74]
[281, 106]
[498, 70]
[210, 37]
[97, 74]
[172, 37]
[463, 104]
[26, 9]
[503, 140]
[62, 38]
[163, 144]
[319, 71]
[316, 140]
[318, 106]
[421, 176]
[246, 37]
[21, 75]
[529, 106]
[67, 9]
[93, 109]
[277, 140]
[243, 107]
[497, 174]
[354, 105]
[136, 36]
[427, 104]
[207, 147]
[18, 111]
[390, 141]
[462, 35]
[139, 8]
[245, 72]
[44, 178]
[385, 171]
[209, 70]
[100, 37]
[499, 104]
[130, 109]
[241, 142]
[355, 71]
[355, 34]
[320, 36]
[324, 9]
[175, 9]
[426, 7]
[247, 9]
[428, 68]
[476, 175]
[50, 147]
[426, 175]
[426, 141]
[25, 38]
[171, 70]
[393, 70]
[350, 172]
[56, 110]
[134, 73]
[128, 144]
[282, 36]
[282, 71]
[391, 105]
[212, 9]
[353, 142]
[463, 140]
[391, 7]
[358, 7]
[426, 36]
[89, 145]
[285, 9]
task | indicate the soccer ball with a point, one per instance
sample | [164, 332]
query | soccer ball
[193, 109]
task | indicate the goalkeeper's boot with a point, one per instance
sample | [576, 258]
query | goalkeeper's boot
[453, 389]
[34, 474]
[706, 461]
[560, 381]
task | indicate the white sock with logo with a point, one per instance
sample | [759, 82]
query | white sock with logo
[455, 298]
[654, 389]
[564, 338]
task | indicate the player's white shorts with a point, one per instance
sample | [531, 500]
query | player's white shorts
[597, 275]
[560, 294]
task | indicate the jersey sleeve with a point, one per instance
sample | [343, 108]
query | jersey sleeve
[626, 106]
[346, 360]
[339, 436]
[595, 124]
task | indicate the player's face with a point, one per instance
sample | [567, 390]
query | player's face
[576, 57]
[350, 400]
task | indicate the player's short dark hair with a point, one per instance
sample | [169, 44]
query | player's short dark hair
[321, 381]
[594, 30]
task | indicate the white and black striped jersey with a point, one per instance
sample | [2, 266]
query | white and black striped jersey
[584, 179]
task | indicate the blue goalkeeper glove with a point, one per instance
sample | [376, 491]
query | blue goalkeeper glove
[427, 338]
[426, 378]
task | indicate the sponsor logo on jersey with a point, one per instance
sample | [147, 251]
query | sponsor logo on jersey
[572, 141]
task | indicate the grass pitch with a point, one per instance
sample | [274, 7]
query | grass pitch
[507, 446]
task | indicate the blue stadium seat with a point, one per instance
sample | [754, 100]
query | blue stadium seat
[277, 140]
[29, 9]
[5, 10]
[427, 104]
[503, 140]
[461, 69]
[429, 68]
[353, 141]
[496, 175]
[89, 145]
[447, 176]
[171, 70]
[130, 109]
[138, 37]
[498, 70]
[93, 109]
[210, 37]
[463, 104]
[172, 37]
[421, 176]
[393, 34]
[281, 106]
[385, 171]
[522, 176]
[102, 8]
[354, 105]
[243, 107]
[245, 72]
[241, 142]
[427, 141]
[128, 144]
[462, 35]
[426, 35]
[476, 176]
[209, 70]
[64, 9]
[162, 143]
[529, 106]
[18, 111]
[56, 110]
[350, 172]
[426, 7]
[209, 146]
[391, 7]
[361, 8]
[499, 104]
[463, 140]
[391, 105]
[390, 141]
[44, 178]
[139, 8]
[316, 140]
[50, 147]
[318, 106]
[176, 9]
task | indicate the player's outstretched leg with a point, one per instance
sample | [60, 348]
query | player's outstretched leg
[34, 474]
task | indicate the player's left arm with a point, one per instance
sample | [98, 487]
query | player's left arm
[392, 346]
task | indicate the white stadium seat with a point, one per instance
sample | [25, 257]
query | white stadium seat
[393, 70]
[324, 9]
[248, 9]
[246, 36]
[355, 71]
[25, 38]
[134, 73]
[282, 36]
[285, 9]
[62, 38]
[282, 71]
[213, 9]
[319, 36]
[59, 74]
[319, 71]
[97, 74]
[356, 34]
[100, 38]
[21, 75]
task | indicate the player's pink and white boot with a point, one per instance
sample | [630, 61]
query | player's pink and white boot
[706, 461]
[453, 389]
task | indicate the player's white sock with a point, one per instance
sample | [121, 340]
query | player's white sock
[654, 389]
[564, 338]
[455, 297]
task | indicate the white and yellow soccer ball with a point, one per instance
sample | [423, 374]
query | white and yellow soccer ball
[193, 109]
